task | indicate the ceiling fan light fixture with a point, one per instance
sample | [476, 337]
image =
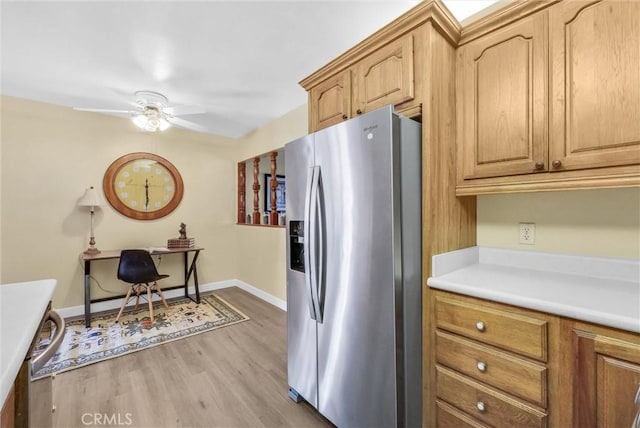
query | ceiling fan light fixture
[151, 120]
[140, 120]
[164, 124]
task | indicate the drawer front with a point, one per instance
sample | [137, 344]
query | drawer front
[517, 333]
[449, 417]
[486, 404]
[516, 376]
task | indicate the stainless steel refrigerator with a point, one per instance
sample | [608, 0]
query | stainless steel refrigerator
[354, 271]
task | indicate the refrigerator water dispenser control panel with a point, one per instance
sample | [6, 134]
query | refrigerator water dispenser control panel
[296, 245]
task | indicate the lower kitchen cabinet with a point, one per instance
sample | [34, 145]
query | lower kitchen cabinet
[499, 365]
[603, 375]
[493, 363]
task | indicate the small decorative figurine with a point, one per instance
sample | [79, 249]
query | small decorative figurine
[183, 231]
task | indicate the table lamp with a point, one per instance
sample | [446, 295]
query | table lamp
[91, 199]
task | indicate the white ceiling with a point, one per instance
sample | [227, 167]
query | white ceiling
[239, 61]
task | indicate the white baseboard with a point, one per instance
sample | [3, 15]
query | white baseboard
[74, 311]
[262, 294]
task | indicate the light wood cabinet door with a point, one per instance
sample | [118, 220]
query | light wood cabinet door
[385, 76]
[606, 377]
[595, 83]
[330, 101]
[502, 105]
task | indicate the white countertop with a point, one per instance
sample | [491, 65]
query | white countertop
[600, 290]
[22, 306]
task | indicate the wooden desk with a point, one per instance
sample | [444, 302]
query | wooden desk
[189, 270]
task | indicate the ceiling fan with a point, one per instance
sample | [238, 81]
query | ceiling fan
[151, 112]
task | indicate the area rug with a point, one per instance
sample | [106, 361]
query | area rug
[107, 339]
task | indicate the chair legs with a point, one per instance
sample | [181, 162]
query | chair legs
[159, 291]
[138, 290]
[124, 303]
[150, 302]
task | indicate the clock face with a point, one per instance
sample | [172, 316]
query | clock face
[143, 186]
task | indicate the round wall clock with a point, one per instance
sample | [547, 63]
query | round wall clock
[143, 186]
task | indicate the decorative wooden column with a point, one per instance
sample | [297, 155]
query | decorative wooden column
[256, 191]
[273, 215]
[242, 183]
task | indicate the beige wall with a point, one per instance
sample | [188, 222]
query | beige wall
[261, 250]
[590, 222]
[50, 154]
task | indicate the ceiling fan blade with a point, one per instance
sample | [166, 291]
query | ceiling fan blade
[100, 110]
[183, 110]
[186, 124]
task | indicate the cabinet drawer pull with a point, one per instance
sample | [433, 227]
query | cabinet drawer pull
[482, 366]
[344, 117]
[556, 164]
[358, 112]
[539, 165]
[481, 406]
[480, 326]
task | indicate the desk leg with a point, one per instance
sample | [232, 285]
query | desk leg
[87, 293]
[192, 270]
[186, 274]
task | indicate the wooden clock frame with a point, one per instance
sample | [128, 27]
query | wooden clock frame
[109, 186]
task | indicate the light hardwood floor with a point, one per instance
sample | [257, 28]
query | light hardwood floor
[235, 376]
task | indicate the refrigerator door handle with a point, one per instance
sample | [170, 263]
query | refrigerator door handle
[309, 208]
[319, 245]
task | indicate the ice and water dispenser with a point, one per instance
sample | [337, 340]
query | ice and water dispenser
[296, 236]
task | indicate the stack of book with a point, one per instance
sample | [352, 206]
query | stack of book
[181, 243]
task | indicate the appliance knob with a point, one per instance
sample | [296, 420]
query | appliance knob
[482, 366]
[556, 163]
[539, 165]
[480, 326]
[481, 406]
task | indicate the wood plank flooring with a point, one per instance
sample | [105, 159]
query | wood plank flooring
[235, 376]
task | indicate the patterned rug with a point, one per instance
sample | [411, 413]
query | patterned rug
[105, 339]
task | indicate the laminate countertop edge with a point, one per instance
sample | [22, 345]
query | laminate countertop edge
[599, 290]
[22, 306]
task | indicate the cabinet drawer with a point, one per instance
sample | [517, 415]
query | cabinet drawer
[448, 416]
[522, 378]
[514, 332]
[484, 403]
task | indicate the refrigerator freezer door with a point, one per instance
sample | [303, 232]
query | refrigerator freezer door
[356, 340]
[301, 328]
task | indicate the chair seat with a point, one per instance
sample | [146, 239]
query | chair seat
[137, 268]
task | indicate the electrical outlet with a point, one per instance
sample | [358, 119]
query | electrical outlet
[528, 233]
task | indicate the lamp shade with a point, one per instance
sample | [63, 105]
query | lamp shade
[91, 198]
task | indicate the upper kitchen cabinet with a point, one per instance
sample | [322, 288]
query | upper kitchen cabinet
[502, 83]
[385, 77]
[595, 84]
[550, 101]
[389, 67]
[330, 101]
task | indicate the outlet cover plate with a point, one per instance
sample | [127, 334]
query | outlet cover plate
[528, 233]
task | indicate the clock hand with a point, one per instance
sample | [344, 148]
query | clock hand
[146, 193]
